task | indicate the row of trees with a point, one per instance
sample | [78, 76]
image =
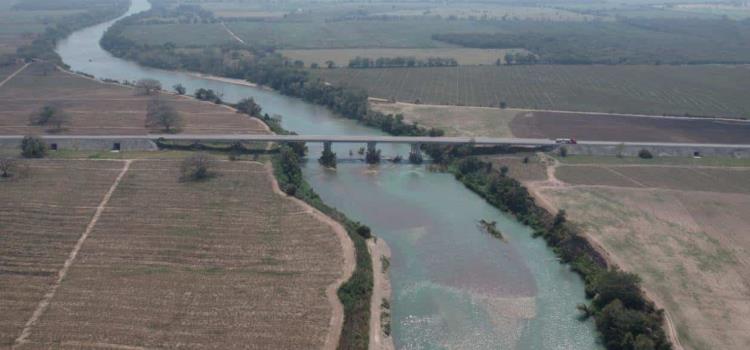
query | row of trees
[398, 62]
[518, 58]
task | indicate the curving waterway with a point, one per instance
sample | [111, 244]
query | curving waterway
[454, 287]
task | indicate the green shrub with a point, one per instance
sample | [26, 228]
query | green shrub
[33, 147]
[645, 154]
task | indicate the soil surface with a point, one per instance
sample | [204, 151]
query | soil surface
[608, 127]
[681, 228]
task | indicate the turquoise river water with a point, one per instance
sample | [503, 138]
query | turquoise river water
[454, 287]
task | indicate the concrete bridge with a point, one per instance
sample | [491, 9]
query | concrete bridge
[147, 142]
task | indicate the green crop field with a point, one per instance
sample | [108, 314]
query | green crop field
[180, 34]
[698, 90]
[352, 34]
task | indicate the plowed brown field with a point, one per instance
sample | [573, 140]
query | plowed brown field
[683, 229]
[100, 109]
[224, 263]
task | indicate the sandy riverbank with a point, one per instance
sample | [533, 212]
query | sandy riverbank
[380, 253]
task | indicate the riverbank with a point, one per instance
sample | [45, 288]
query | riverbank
[380, 303]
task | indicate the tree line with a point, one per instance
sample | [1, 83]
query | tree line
[401, 61]
[624, 41]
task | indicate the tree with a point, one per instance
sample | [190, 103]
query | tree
[197, 167]
[645, 154]
[51, 115]
[364, 231]
[7, 167]
[504, 171]
[249, 107]
[560, 218]
[147, 86]
[330, 64]
[372, 156]
[160, 114]
[563, 151]
[207, 95]
[179, 89]
[328, 158]
[614, 284]
[33, 147]
[503, 105]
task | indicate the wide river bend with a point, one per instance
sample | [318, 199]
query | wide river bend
[454, 287]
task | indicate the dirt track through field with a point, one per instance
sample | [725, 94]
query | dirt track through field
[44, 303]
[14, 74]
[232, 33]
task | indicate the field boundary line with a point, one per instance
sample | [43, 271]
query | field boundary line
[44, 303]
[232, 33]
[14, 74]
[336, 324]
[378, 100]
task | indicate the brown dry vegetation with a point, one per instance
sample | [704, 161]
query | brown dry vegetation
[42, 215]
[496, 122]
[683, 229]
[98, 108]
[534, 170]
[222, 263]
[628, 128]
[454, 120]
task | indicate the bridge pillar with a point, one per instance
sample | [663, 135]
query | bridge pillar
[415, 155]
[373, 154]
[328, 158]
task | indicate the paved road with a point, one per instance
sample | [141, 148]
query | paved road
[365, 139]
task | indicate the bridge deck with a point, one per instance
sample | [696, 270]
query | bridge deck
[447, 140]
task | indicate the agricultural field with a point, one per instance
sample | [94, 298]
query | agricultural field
[454, 120]
[180, 34]
[317, 34]
[681, 227]
[85, 99]
[731, 10]
[220, 263]
[599, 127]
[510, 122]
[42, 216]
[675, 90]
[495, 12]
[22, 21]
[341, 57]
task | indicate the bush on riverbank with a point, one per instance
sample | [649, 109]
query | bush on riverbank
[624, 317]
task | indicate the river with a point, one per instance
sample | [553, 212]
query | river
[454, 287]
